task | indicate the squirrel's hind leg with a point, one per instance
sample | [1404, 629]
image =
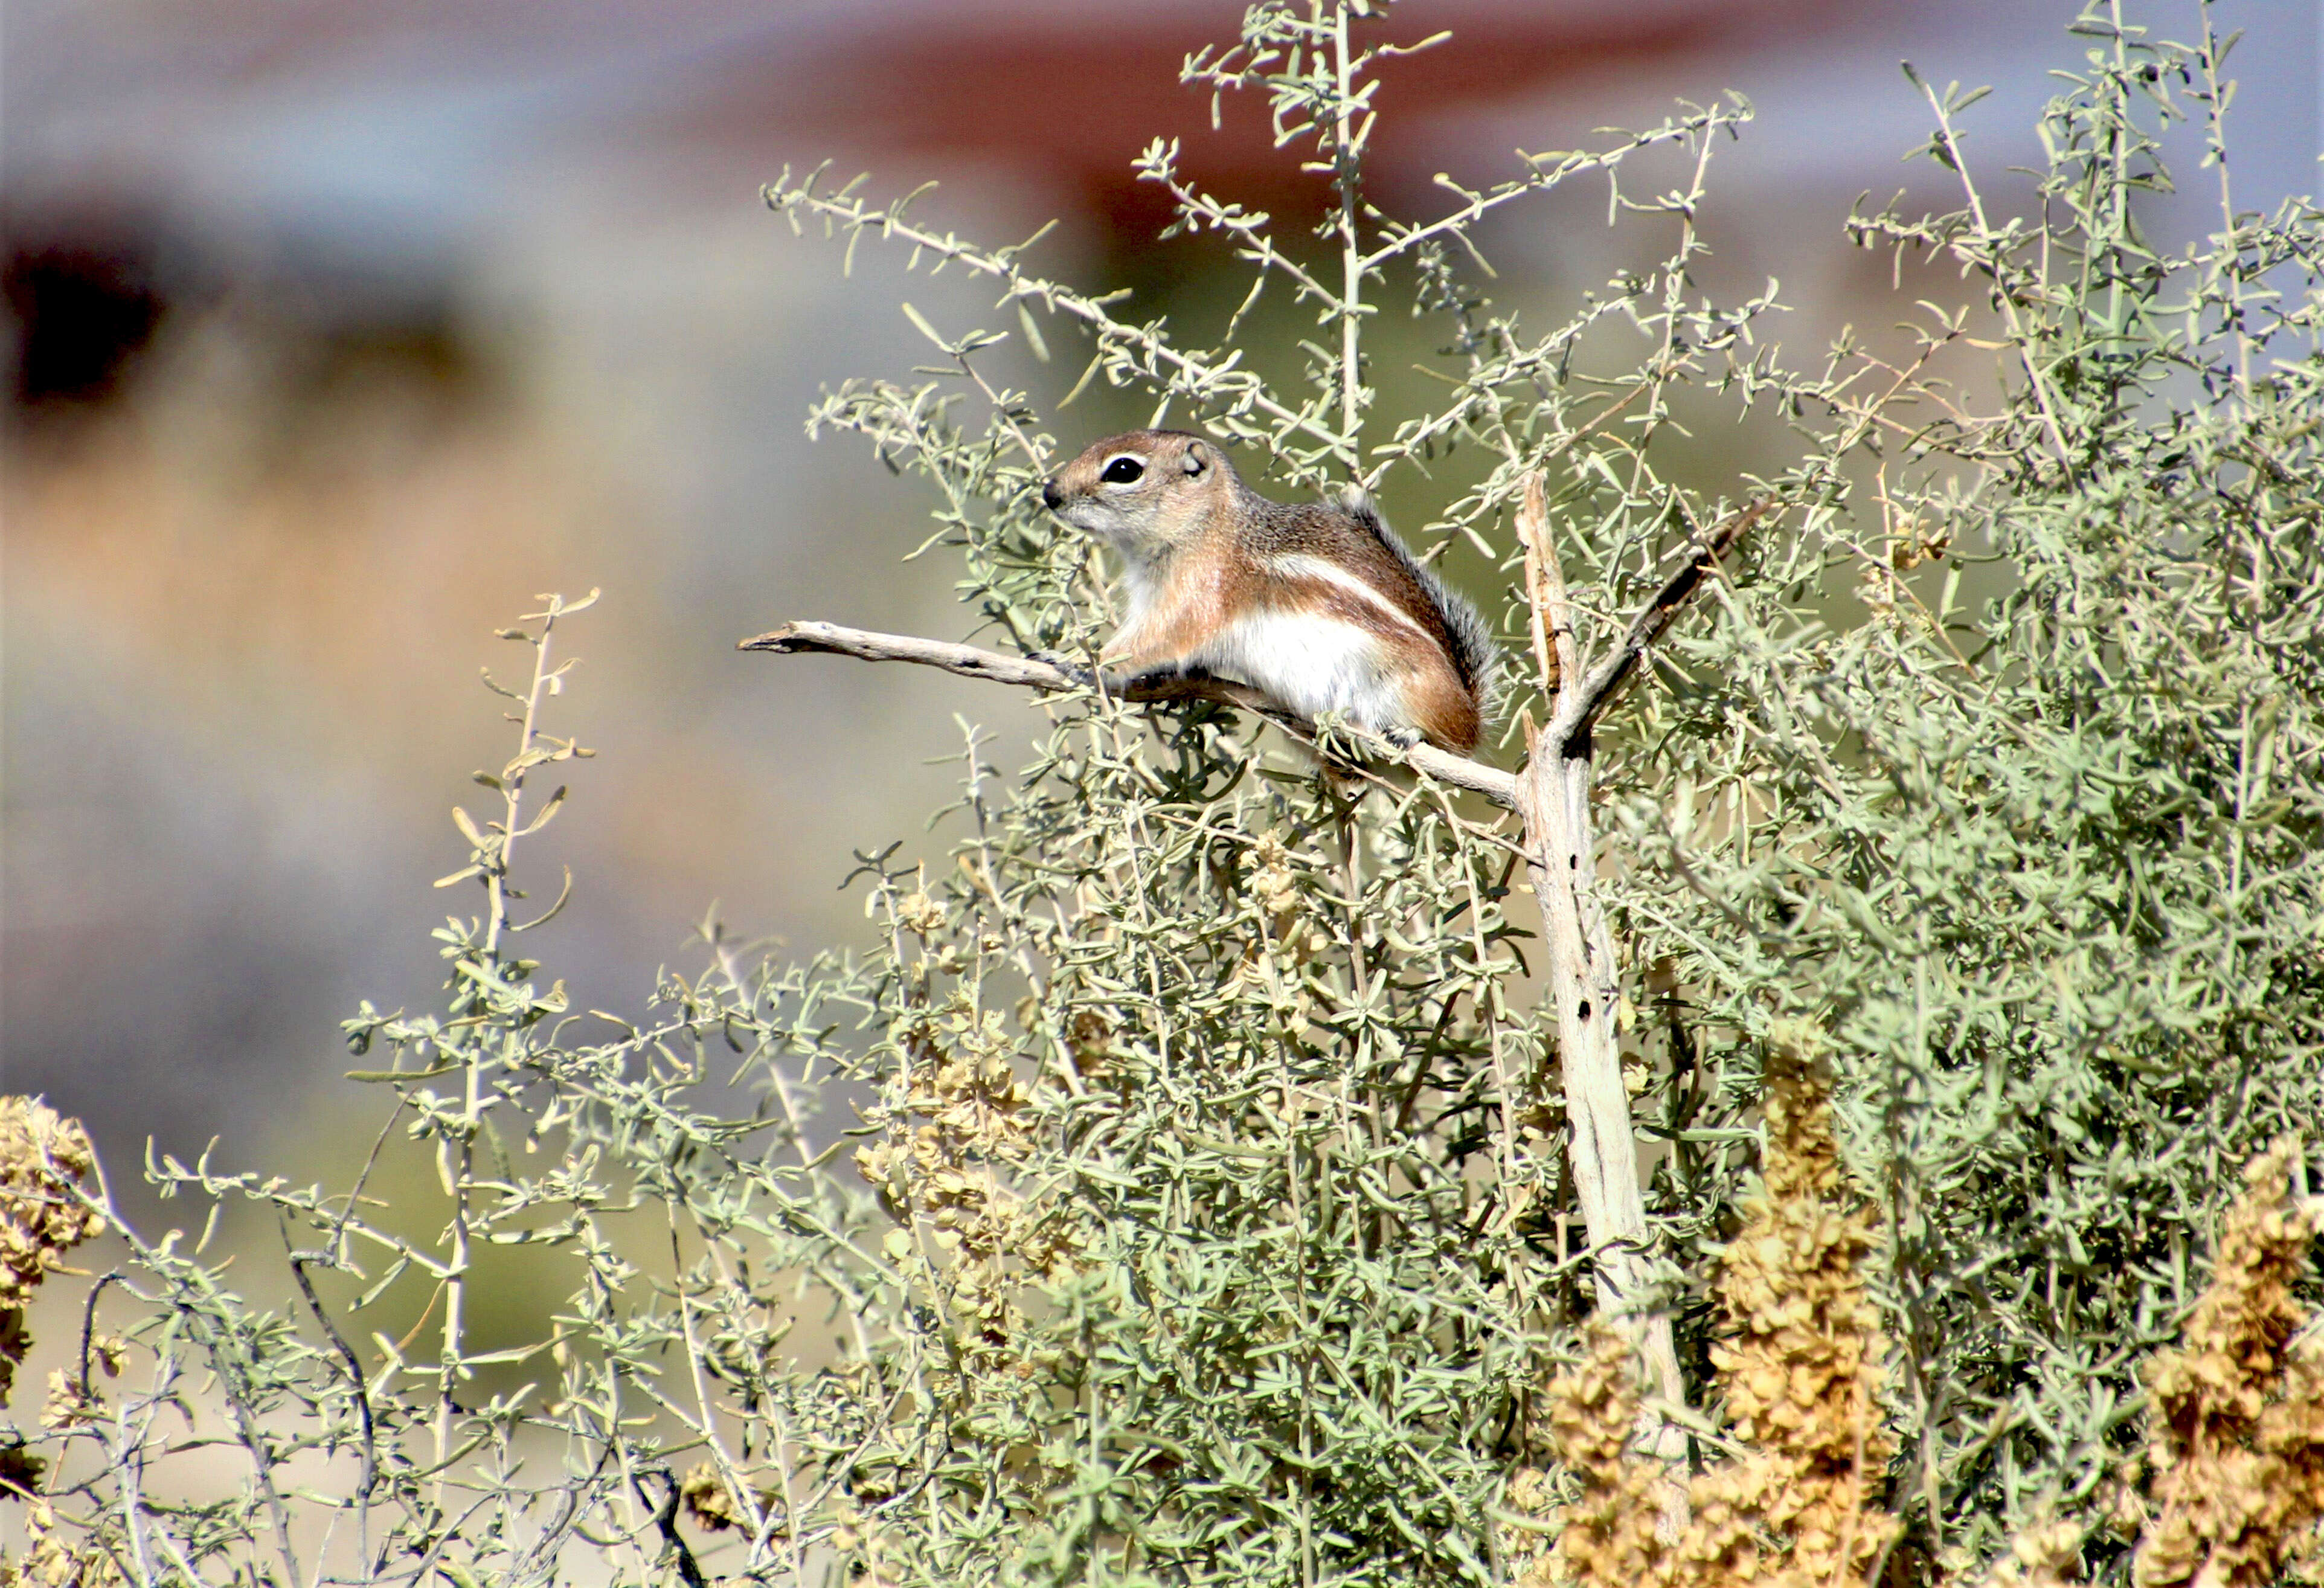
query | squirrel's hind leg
[1152, 677]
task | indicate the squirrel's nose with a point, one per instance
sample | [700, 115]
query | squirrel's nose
[1051, 497]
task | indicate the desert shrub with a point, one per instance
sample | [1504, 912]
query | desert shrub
[1171, 1190]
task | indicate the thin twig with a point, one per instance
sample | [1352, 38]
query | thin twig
[1183, 370]
[88, 1326]
[665, 1522]
[356, 1383]
[1581, 708]
[2004, 295]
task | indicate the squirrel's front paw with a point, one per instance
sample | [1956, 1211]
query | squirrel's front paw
[1066, 665]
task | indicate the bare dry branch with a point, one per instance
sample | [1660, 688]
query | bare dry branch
[1584, 979]
[1533, 534]
[1030, 672]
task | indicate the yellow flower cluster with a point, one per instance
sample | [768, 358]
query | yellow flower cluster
[711, 1504]
[1609, 1532]
[2046, 1555]
[1269, 973]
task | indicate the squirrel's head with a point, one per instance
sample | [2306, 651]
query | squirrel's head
[1146, 493]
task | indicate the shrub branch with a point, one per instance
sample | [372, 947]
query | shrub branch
[1028, 672]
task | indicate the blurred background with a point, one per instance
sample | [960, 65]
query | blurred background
[336, 331]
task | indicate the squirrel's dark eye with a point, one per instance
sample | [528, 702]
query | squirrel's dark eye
[1122, 471]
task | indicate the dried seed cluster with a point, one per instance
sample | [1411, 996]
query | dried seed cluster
[1799, 1373]
[961, 1121]
[58, 1557]
[2237, 1436]
[42, 1158]
[2236, 1428]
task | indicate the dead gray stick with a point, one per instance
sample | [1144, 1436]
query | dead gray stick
[1601, 1141]
[1585, 981]
[1028, 672]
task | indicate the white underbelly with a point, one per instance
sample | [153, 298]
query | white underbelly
[1312, 664]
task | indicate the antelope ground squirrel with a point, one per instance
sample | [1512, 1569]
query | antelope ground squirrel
[1318, 606]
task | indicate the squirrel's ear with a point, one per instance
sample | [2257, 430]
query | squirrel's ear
[1196, 458]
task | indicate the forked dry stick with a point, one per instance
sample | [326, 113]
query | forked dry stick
[1584, 980]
